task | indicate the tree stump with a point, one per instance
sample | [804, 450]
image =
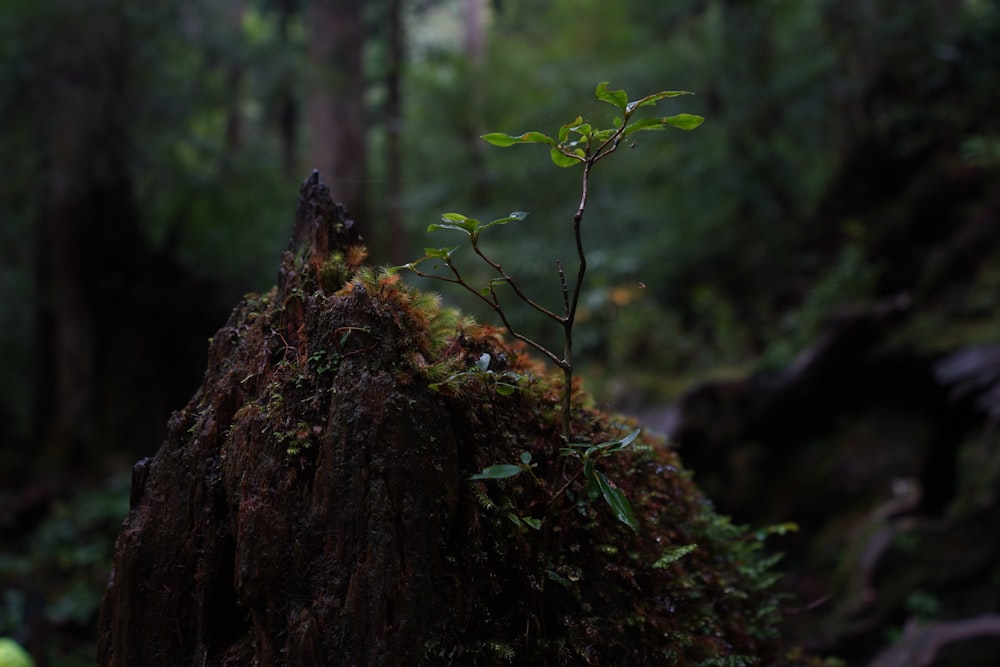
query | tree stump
[312, 505]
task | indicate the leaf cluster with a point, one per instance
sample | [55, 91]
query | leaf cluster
[578, 142]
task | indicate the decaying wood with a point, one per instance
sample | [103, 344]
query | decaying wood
[312, 504]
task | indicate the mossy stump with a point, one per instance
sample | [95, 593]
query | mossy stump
[312, 504]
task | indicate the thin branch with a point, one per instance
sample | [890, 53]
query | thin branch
[514, 286]
[510, 329]
[921, 642]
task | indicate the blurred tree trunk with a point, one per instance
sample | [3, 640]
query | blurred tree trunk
[748, 35]
[87, 226]
[473, 43]
[114, 346]
[236, 72]
[395, 232]
[337, 100]
[287, 103]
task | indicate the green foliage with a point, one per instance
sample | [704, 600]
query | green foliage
[597, 482]
[577, 142]
[62, 563]
[672, 554]
[12, 655]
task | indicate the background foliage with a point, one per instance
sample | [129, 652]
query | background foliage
[850, 154]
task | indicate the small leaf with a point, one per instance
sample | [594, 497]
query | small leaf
[504, 140]
[616, 500]
[684, 121]
[630, 438]
[501, 471]
[564, 130]
[531, 523]
[457, 220]
[650, 100]
[526, 458]
[593, 488]
[602, 135]
[776, 529]
[672, 554]
[438, 253]
[505, 389]
[488, 290]
[561, 159]
[645, 124]
[483, 362]
[438, 225]
[514, 216]
[618, 98]
[614, 445]
[558, 578]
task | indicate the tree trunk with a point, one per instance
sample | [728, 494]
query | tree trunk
[312, 504]
[105, 296]
[395, 232]
[285, 99]
[337, 100]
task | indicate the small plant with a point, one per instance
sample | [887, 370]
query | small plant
[576, 143]
[503, 383]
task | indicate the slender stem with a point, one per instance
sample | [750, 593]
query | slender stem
[494, 305]
[574, 302]
[514, 286]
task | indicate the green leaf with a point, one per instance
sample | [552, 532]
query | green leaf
[684, 121]
[616, 500]
[644, 124]
[618, 98]
[776, 529]
[612, 446]
[488, 290]
[593, 488]
[532, 523]
[500, 471]
[558, 578]
[525, 520]
[463, 221]
[505, 389]
[564, 130]
[525, 458]
[515, 215]
[651, 100]
[504, 140]
[456, 221]
[630, 438]
[672, 554]
[438, 253]
[602, 135]
[561, 159]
